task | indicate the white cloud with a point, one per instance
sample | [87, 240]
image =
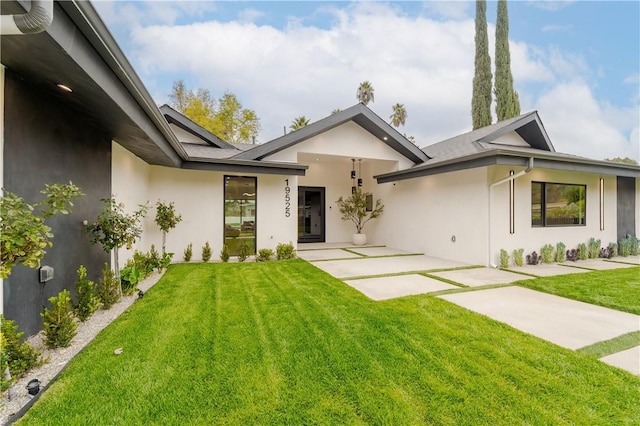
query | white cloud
[450, 9]
[423, 63]
[578, 124]
[550, 5]
[250, 15]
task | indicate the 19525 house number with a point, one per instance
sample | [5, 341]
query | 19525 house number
[287, 199]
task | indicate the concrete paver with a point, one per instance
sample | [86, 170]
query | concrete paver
[547, 270]
[378, 251]
[481, 276]
[628, 259]
[565, 322]
[312, 255]
[384, 265]
[398, 286]
[627, 360]
[598, 264]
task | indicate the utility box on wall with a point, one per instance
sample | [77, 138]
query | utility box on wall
[46, 274]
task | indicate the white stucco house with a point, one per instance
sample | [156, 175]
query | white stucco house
[73, 108]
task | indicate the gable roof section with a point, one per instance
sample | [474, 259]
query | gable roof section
[476, 149]
[174, 117]
[360, 115]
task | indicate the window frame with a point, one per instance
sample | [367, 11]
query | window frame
[543, 205]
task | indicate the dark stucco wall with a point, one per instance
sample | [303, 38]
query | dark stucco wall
[626, 207]
[46, 142]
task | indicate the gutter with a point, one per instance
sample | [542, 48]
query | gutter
[35, 21]
[493, 185]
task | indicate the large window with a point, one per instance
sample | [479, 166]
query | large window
[239, 213]
[558, 204]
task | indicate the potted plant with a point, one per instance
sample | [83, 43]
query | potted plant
[354, 209]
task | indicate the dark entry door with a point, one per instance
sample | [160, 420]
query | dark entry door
[310, 214]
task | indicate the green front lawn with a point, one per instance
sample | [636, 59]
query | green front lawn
[618, 289]
[284, 343]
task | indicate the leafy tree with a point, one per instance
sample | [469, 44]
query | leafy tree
[114, 228]
[23, 234]
[225, 118]
[625, 160]
[354, 209]
[399, 115]
[299, 123]
[507, 102]
[166, 219]
[481, 97]
[365, 93]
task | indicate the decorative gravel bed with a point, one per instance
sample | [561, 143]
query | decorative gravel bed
[16, 397]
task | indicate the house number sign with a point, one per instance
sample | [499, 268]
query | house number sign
[287, 199]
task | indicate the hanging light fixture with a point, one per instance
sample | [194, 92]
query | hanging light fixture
[353, 168]
[359, 171]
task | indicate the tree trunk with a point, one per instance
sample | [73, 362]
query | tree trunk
[164, 240]
[116, 270]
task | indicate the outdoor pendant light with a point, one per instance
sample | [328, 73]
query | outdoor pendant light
[360, 171]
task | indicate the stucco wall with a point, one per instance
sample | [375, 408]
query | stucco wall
[48, 142]
[422, 215]
[533, 238]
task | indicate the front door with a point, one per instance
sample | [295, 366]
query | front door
[310, 214]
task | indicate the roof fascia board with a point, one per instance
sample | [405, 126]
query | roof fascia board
[354, 113]
[500, 157]
[245, 168]
[180, 120]
[118, 79]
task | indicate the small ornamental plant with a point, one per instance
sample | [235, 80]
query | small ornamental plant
[166, 219]
[24, 237]
[206, 252]
[504, 258]
[546, 253]
[108, 288]
[560, 252]
[264, 255]
[88, 300]
[285, 251]
[113, 228]
[583, 253]
[224, 253]
[16, 355]
[594, 248]
[244, 252]
[58, 325]
[354, 209]
[533, 258]
[518, 257]
[188, 252]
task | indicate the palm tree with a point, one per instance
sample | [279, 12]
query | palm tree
[399, 115]
[365, 92]
[335, 111]
[299, 123]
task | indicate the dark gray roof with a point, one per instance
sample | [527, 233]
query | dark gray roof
[174, 117]
[205, 152]
[476, 149]
[360, 115]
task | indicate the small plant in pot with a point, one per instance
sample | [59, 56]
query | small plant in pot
[354, 209]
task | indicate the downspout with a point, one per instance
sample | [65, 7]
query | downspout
[494, 184]
[35, 21]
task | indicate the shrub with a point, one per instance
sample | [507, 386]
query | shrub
[130, 276]
[108, 288]
[285, 251]
[206, 252]
[153, 258]
[264, 255]
[18, 356]
[224, 253]
[628, 246]
[606, 253]
[88, 301]
[504, 258]
[188, 252]
[518, 257]
[583, 254]
[165, 261]
[59, 326]
[546, 253]
[614, 249]
[142, 262]
[593, 248]
[244, 252]
[533, 258]
[572, 255]
[560, 252]
[635, 246]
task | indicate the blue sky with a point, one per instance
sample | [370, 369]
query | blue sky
[577, 63]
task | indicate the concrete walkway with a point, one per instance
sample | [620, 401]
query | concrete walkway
[383, 273]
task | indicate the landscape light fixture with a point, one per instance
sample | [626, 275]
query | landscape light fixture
[64, 87]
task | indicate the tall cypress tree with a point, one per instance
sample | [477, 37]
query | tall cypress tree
[507, 102]
[481, 97]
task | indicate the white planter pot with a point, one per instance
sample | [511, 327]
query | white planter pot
[359, 239]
